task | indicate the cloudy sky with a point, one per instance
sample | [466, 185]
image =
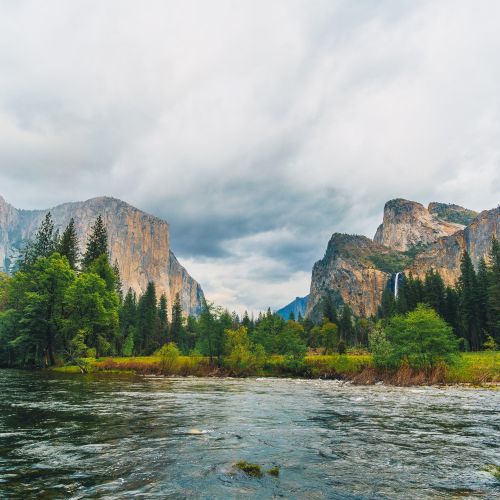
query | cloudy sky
[255, 128]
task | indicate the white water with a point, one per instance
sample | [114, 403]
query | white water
[396, 285]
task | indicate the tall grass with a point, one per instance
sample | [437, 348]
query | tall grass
[477, 368]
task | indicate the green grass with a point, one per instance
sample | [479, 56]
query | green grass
[390, 262]
[476, 368]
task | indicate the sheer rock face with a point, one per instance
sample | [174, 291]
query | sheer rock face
[444, 255]
[139, 242]
[349, 270]
[348, 274]
[408, 223]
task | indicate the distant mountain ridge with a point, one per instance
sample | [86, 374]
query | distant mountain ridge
[138, 241]
[297, 307]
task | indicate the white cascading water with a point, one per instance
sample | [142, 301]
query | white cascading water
[396, 285]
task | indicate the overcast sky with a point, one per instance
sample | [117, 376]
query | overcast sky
[255, 128]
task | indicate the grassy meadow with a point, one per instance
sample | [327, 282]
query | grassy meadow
[476, 368]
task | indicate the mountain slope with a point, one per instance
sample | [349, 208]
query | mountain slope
[139, 242]
[297, 307]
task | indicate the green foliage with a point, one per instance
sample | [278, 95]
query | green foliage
[451, 214]
[97, 243]
[391, 262]
[169, 356]
[43, 245]
[490, 344]
[242, 356]
[381, 348]
[421, 338]
[68, 245]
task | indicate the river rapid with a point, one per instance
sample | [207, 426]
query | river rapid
[115, 437]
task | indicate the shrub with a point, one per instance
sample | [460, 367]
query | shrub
[169, 357]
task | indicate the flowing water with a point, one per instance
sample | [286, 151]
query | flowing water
[64, 436]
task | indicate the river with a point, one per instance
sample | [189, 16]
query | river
[69, 436]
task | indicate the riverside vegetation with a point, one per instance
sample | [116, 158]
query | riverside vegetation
[67, 312]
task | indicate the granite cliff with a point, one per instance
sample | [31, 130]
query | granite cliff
[445, 253]
[408, 223]
[139, 242]
[355, 270]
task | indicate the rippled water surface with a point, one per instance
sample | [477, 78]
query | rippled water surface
[87, 437]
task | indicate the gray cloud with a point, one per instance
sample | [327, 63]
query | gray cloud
[255, 128]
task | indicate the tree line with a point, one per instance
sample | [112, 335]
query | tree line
[60, 306]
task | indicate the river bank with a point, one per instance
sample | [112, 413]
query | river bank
[478, 369]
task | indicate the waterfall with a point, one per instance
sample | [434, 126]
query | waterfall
[396, 285]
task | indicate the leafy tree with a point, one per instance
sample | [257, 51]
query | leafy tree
[92, 308]
[243, 357]
[169, 357]
[97, 243]
[288, 341]
[421, 338]
[68, 245]
[38, 296]
[330, 336]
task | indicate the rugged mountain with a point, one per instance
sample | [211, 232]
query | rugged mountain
[408, 223]
[139, 242]
[444, 255]
[355, 270]
[297, 307]
[351, 271]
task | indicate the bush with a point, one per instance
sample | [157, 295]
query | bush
[169, 357]
[243, 357]
[421, 339]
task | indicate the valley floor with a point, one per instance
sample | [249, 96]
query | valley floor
[474, 368]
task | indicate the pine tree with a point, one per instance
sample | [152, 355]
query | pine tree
[128, 323]
[97, 243]
[163, 319]
[434, 292]
[176, 327]
[494, 290]
[346, 328]
[68, 244]
[329, 310]
[482, 286]
[118, 281]
[44, 244]
[469, 316]
[147, 322]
